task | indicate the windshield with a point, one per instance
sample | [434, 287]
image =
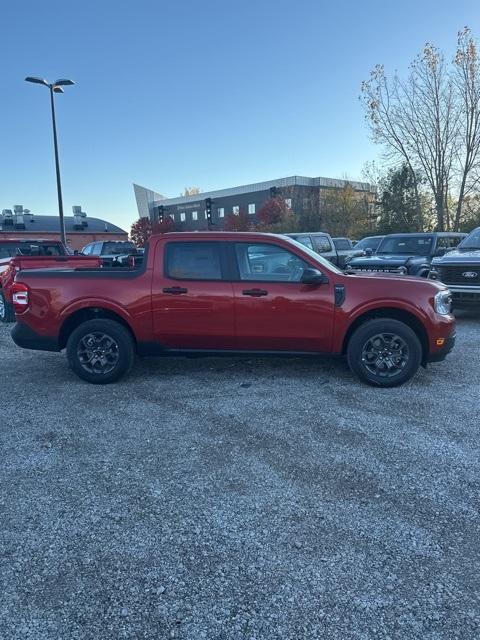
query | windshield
[314, 255]
[472, 241]
[368, 243]
[420, 245]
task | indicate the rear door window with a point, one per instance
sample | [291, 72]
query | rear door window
[322, 244]
[193, 261]
[305, 240]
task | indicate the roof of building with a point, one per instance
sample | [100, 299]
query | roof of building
[147, 196]
[51, 224]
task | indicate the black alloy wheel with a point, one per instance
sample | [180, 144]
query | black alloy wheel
[384, 352]
[100, 351]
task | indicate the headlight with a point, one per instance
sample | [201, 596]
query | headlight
[443, 302]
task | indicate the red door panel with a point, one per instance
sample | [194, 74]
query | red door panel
[190, 313]
[290, 317]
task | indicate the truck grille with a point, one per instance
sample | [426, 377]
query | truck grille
[456, 274]
[381, 269]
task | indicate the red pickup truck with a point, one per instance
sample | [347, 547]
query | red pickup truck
[32, 254]
[240, 293]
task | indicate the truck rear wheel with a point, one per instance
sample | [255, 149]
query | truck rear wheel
[6, 310]
[100, 351]
[384, 352]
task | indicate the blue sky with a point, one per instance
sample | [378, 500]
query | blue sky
[210, 93]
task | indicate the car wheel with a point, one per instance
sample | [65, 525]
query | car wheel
[6, 310]
[384, 352]
[100, 351]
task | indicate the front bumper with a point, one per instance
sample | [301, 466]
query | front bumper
[442, 353]
[25, 337]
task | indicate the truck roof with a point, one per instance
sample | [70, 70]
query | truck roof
[216, 235]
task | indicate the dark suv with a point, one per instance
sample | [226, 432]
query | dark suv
[408, 253]
[460, 270]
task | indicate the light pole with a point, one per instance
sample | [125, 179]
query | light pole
[55, 87]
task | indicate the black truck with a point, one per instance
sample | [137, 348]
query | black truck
[408, 253]
[460, 271]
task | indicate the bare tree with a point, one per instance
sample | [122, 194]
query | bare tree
[467, 84]
[417, 121]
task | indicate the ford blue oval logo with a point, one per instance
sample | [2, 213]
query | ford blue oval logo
[469, 274]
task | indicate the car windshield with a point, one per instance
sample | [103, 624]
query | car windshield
[471, 242]
[410, 245]
[368, 243]
[314, 255]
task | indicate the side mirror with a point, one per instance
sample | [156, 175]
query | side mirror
[76, 252]
[313, 276]
[440, 252]
[369, 252]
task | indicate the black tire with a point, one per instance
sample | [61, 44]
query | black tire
[100, 351]
[384, 362]
[6, 310]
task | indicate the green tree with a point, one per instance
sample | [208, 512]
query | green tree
[401, 207]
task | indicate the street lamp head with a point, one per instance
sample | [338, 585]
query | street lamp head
[58, 90]
[63, 82]
[36, 80]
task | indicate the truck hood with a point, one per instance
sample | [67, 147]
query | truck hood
[388, 260]
[470, 256]
[415, 280]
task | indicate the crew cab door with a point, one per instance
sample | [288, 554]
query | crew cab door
[192, 302]
[273, 309]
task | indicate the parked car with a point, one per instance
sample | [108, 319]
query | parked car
[407, 253]
[217, 292]
[346, 251]
[369, 245]
[323, 244]
[460, 270]
[319, 242]
[113, 253]
[23, 247]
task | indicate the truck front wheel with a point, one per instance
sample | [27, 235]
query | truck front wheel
[100, 351]
[384, 352]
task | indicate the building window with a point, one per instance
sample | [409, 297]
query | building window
[194, 215]
[172, 217]
[236, 210]
[182, 217]
[251, 208]
[221, 212]
[288, 202]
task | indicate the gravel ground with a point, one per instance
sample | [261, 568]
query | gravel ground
[228, 499]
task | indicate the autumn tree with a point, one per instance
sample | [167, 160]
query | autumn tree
[346, 212]
[238, 222]
[190, 191]
[166, 225]
[140, 231]
[276, 217]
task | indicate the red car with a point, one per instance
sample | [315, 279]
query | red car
[240, 293]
